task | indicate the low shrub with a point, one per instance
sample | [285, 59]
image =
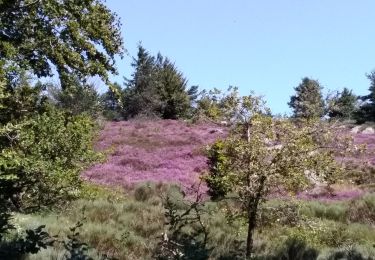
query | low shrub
[363, 210]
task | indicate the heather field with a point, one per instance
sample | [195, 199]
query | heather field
[167, 151]
[155, 160]
[171, 151]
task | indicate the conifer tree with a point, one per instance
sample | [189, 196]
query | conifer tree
[140, 94]
[157, 88]
[175, 101]
[343, 105]
[308, 101]
[367, 110]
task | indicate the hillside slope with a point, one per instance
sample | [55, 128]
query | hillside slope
[158, 151]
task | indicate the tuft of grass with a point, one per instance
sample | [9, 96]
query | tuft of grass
[332, 211]
[363, 210]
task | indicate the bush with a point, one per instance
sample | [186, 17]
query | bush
[363, 210]
[278, 212]
[43, 159]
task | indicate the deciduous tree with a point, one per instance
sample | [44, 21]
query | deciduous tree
[79, 38]
[264, 153]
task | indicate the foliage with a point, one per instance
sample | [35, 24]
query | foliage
[79, 38]
[174, 97]
[156, 88]
[32, 243]
[268, 153]
[76, 99]
[35, 176]
[20, 99]
[122, 226]
[228, 107]
[75, 249]
[208, 105]
[367, 109]
[295, 249]
[363, 210]
[185, 235]
[360, 174]
[111, 102]
[308, 101]
[140, 95]
[343, 105]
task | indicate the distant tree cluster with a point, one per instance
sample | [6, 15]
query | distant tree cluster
[156, 89]
[308, 102]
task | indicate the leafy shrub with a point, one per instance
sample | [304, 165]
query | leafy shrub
[363, 210]
[43, 158]
[143, 193]
[33, 241]
[278, 212]
[77, 99]
[217, 182]
[360, 175]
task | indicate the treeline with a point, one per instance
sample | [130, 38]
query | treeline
[308, 102]
[158, 89]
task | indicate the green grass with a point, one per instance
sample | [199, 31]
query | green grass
[130, 226]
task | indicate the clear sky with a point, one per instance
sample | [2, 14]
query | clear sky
[264, 45]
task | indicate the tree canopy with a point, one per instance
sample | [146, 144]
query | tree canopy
[308, 101]
[78, 38]
[157, 88]
[263, 153]
[343, 105]
[367, 109]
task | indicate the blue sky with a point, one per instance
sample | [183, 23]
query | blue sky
[265, 45]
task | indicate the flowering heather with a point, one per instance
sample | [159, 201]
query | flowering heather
[157, 151]
[172, 151]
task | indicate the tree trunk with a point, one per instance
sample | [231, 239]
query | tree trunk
[250, 229]
[248, 133]
[252, 210]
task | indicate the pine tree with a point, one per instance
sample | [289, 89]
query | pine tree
[308, 101]
[175, 100]
[141, 92]
[367, 110]
[157, 88]
[343, 105]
